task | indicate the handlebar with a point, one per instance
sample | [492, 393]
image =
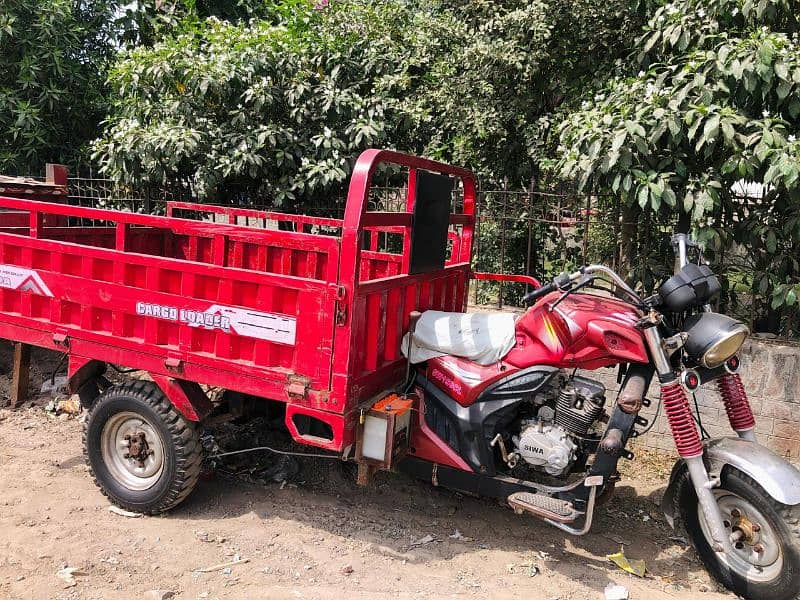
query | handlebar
[563, 281]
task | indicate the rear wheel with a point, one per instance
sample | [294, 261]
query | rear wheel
[143, 454]
[765, 560]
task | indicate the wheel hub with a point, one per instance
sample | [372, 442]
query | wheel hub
[744, 530]
[132, 450]
[138, 449]
[756, 552]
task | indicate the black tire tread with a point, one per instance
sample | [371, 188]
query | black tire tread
[789, 514]
[185, 438]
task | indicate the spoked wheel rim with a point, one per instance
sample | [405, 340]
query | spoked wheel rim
[132, 450]
[756, 553]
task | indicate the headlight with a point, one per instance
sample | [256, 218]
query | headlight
[713, 338]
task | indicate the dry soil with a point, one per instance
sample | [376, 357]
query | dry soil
[319, 536]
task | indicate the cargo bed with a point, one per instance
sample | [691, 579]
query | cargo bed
[306, 310]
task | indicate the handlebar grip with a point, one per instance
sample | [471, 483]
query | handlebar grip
[558, 283]
[533, 296]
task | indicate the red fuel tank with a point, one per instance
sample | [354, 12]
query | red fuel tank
[583, 330]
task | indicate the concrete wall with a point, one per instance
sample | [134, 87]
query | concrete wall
[771, 375]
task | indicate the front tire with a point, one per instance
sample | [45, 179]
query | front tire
[765, 562]
[144, 456]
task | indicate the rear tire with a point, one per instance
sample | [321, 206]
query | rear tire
[772, 574]
[144, 455]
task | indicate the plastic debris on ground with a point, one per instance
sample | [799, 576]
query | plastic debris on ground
[53, 387]
[124, 513]
[63, 408]
[616, 592]
[533, 570]
[457, 535]
[633, 566]
[68, 575]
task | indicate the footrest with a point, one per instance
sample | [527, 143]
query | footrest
[543, 506]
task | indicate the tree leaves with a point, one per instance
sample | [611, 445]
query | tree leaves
[712, 120]
[53, 58]
[474, 83]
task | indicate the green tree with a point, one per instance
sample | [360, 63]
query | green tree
[713, 100]
[145, 22]
[251, 110]
[53, 57]
[282, 106]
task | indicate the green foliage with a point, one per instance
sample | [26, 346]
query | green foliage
[241, 108]
[281, 106]
[477, 81]
[52, 91]
[716, 100]
[145, 22]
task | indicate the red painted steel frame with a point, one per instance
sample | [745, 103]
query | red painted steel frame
[129, 289]
[532, 281]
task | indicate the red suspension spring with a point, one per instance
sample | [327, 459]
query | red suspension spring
[679, 415]
[737, 405]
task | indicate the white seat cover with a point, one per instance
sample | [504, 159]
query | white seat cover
[483, 338]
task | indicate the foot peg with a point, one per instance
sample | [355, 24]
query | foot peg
[561, 511]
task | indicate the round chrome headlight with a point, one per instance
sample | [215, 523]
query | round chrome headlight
[713, 338]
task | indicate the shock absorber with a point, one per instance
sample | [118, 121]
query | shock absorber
[737, 405]
[684, 431]
[679, 415]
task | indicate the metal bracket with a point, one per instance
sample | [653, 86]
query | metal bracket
[587, 520]
[298, 387]
[174, 364]
[340, 314]
[672, 344]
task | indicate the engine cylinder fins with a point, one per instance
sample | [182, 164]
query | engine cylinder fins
[545, 507]
[577, 408]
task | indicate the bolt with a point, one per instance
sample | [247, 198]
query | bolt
[756, 527]
[736, 513]
[759, 548]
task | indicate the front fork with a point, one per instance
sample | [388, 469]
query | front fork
[686, 436]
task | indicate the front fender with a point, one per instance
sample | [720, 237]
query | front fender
[779, 478]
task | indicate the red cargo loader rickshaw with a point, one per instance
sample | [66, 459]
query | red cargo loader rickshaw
[311, 316]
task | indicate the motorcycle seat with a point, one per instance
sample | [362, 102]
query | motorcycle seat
[483, 338]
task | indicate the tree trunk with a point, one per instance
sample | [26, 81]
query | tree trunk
[627, 239]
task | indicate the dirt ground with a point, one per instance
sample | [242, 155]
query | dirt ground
[319, 536]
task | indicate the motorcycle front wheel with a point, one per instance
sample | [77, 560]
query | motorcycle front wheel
[765, 561]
